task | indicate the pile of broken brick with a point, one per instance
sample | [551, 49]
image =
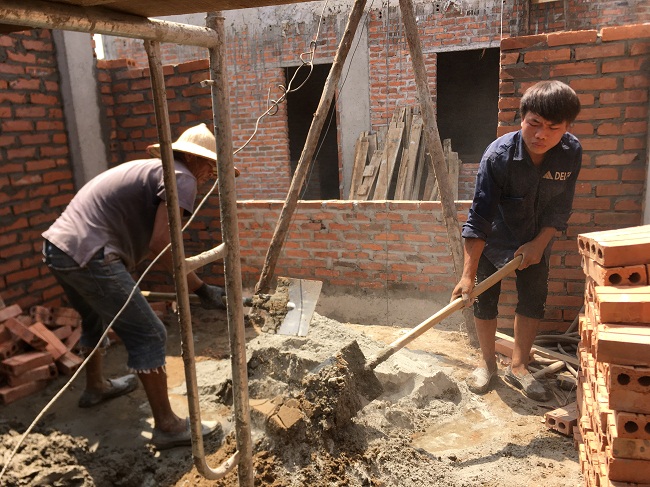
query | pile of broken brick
[35, 348]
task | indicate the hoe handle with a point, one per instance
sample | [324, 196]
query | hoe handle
[451, 308]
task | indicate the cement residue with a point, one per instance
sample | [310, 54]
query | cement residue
[307, 429]
[269, 310]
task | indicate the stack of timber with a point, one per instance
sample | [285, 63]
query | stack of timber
[394, 165]
[613, 434]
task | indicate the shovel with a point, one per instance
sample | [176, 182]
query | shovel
[288, 311]
[353, 371]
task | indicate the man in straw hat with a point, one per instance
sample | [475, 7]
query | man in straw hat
[113, 223]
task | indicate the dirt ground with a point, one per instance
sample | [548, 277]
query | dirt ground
[426, 429]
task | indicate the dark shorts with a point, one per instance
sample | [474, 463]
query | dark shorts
[98, 292]
[532, 290]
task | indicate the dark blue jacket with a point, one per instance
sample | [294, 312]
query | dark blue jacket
[514, 200]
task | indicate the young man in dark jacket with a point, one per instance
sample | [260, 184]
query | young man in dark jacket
[524, 193]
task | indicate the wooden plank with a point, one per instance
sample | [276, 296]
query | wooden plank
[420, 174]
[400, 186]
[360, 162]
[390, 154]
[543, 352]
[401, 169]
[413, 150]
[453, 166]
[368, 181]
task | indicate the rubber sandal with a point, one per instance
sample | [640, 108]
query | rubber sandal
[530, 386]
[479, 380]
[118, 387]
[163, 440]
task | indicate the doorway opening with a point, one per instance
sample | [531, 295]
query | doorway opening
[468, 100]
[323, 178]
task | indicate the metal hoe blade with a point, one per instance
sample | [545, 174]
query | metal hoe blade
[303, 296]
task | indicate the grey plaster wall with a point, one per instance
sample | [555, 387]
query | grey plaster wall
[81, 104]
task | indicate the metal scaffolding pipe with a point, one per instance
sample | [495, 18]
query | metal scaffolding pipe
[179, 266]
[232, 261]
[44, 15]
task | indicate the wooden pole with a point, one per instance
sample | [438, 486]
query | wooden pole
[434, 147]
[307, 155]
[49, 15]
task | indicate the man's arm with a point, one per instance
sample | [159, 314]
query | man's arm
[160, 239]
[533, 250]
[472, 250]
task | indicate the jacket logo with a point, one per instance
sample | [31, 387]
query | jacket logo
[558, 176]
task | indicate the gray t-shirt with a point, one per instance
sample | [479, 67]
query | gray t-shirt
[116, 210]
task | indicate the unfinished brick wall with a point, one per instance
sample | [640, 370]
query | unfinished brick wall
[264, 162]
[35, 175]
[256, 59]
[609, 71]
[377, 246]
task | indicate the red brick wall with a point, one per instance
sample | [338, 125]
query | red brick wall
[340, 243]
[353, 245]
[35, 175]
[126, 92]
[610, 74]
[384, 246]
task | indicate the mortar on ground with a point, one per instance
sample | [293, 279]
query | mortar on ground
[269, 310]
[340, 388]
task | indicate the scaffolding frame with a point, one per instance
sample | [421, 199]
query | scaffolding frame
[97, 20]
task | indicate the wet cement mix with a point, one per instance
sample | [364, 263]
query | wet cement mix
[312, 422]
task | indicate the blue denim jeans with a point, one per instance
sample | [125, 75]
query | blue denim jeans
[98, 291]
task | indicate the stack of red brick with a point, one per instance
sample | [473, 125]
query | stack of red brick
[35, 348]
[613, 433]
